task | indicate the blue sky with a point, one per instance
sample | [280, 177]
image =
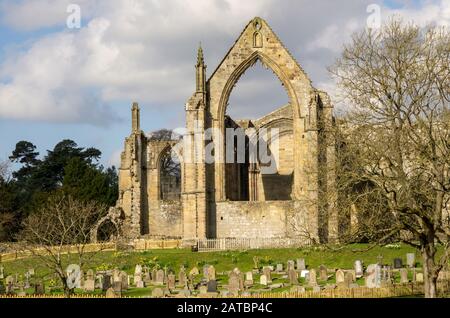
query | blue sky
[57, 83]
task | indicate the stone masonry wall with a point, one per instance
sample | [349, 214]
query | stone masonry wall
[274, 219]
[166, 219]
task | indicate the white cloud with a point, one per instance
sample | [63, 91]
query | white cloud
[145, 50]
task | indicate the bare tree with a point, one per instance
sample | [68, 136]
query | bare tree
[397, 83]
[59, 229]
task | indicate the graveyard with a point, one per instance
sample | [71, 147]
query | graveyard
[295, 272]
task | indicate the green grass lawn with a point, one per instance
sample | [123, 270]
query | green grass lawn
[225, 261]
[343, 258]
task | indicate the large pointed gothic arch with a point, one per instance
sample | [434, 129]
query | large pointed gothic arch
[272, 53]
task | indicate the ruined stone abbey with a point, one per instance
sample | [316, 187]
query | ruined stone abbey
[235, 200]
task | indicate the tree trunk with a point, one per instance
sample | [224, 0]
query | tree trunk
[429, 270]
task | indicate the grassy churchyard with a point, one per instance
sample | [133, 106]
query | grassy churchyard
[223, 262]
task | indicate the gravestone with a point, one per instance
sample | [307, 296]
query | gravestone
[117, 287]
[419, 278]
[74, 275]
[279, 268]
[290, 265]
[293, 278]
[304, 273]
[27, 280]
[234, 283]
[205, 272]
[157, 293]
[110, 293]
[267, 273]
[194, 272]
[373, 276]
[404, 276]
[2, 273]
[411, 260]
[301, 265]
[386, 277]
[323, 273]
[398, 263]
[348, 279]
[211, 273]
[137, 274]
[147, 277]
[340, 277]
[116, 276]
[182, 277]
[248, 279]
[89, 285]
[203, 290]
[123, 279]
[106, 282]
[140, 284]
[263, 280]
[171, 281]
[298, 289]
[160, 278]
[359, 271]
[39, 288]
[212, 286]
[312, 278]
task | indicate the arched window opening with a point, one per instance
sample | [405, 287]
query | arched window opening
[170, 176]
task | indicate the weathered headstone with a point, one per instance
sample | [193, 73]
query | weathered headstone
[182, 277]
[340, 277]
[39, 288]
[411, 260]
[234, 283]
[157, 293]
[323, 273]
[212, 286]
[171, 281]
[398, 263]
[203, 290]
[117, 287]
[359, 270]
[263, 280]
[74, 275]
[2, 273]
[267, 272]
[312, 278]
[110, 293]
[419, 278]
[106, 282]
[124, 280]
[404, 276]
[290, 265]
[373, 276]
[301, 265]
[348, 279]
[297, 289]
[248, 279]
[211, 273]
[160, 277]
[293, 278]
[137, 274]
[140, 284]
[279, 268]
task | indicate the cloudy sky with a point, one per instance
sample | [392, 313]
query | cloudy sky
[61, 83]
